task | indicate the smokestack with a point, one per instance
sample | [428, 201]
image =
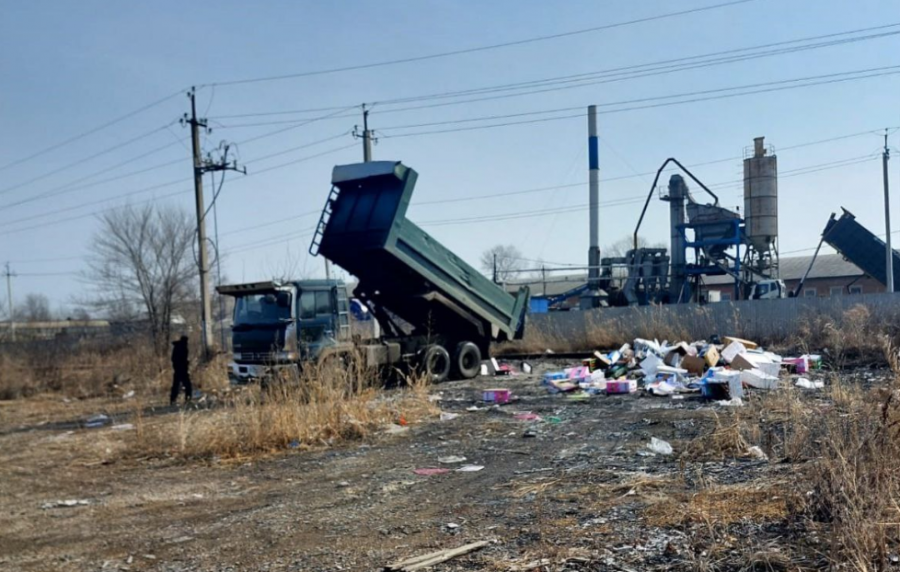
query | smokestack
[594, 199]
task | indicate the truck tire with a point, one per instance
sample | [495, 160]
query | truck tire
[466, 360]
[436, 363]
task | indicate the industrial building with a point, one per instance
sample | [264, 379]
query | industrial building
[830, 275]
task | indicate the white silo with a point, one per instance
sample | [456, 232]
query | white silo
[761, 209]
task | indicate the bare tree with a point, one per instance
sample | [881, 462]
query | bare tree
[507, 258]
[35, 308]
[141, 258]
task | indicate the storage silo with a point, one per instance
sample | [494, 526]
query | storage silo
[761, 207]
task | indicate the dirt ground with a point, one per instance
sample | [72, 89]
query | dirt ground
[580, 488]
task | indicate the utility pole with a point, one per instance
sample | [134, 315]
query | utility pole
[205, 302]
[9, 299]
[889, 253]
[366, 135]
[200, 168]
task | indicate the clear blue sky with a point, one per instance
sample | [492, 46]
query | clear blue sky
[69, 67]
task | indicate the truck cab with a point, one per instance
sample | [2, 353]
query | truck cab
[768, 290]
[279, 325]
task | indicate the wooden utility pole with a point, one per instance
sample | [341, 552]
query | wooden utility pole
[203, 262]
[9, 298]
[889, 257]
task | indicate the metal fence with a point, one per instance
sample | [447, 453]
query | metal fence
[769, 320]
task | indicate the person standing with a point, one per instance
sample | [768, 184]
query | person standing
[181, 376]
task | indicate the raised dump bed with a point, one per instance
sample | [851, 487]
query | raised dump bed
[861, 247]
[403, 270]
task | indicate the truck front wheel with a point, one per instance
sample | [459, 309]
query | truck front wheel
[436, 363]
[467, 360]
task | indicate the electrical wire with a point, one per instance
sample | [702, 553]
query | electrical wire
[824, 79]
[479, 48]
[144, 190]
[90, 131]
[83, 160]
[609, 75]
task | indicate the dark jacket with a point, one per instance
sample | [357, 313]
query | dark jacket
[180, 355]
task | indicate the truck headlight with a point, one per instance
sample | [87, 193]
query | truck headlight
[286, 356]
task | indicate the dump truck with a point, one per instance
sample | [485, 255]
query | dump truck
[437, 314]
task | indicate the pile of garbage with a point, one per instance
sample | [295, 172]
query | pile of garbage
[718, 370]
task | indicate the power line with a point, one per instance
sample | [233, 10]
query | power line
[83, 160]
[613, 74]
[91, 131]
[878, 72]
[664, 64]
[69, 189]
[169, 195]
[480, 48]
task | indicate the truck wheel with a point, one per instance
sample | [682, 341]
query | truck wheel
[467, 360]
[436, 363]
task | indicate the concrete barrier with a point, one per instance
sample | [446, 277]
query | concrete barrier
[768, 320]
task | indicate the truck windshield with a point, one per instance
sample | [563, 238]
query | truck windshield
[268, 308]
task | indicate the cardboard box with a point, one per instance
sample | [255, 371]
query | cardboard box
[693, 364]
[732, 350]
[747, 361]
[729, 380]
[619, 387]
[602, 360]
[498, 395]
[712, 356]
[746, 343]
[758, 379]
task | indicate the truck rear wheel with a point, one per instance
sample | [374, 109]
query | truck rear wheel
[466, 360]
[436, 363]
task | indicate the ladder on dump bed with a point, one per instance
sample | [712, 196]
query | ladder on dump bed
[323, 221]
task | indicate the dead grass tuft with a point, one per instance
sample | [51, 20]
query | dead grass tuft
[721, 505]
[323, 406]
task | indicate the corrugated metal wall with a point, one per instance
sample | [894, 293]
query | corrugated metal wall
[764, 320]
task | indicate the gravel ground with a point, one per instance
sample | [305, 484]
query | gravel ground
[579, 488]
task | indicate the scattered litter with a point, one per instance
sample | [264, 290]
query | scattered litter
[526, 367]
[474, 408]
[496, 395]
[435, 397]
[804, 383]
[447, 416]
[123, 427]
[394, 429]
[527, 417]
[343, 484]
[529, 434]
[450, 460]
[430, 472]
[736, 402]
[757, 453]
[759, 379]
[621, 386]
[97, 421]
[451, 526]
[659, 446]
[484, 370]
[469, 468]
[128, 395]
[294, 444]
[65, 503]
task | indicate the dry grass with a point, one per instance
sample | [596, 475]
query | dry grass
[81, 371]
[721, 505]
[844, 444]
[322, 407]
